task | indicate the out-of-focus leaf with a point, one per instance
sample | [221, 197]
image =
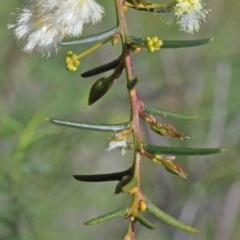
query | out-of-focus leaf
[169, 219]
[118, 213]
[166, 114]
[101, 69]
[88, 126]
[151, 7]
[162, 10]
[102, 177]
[144, 222]
[154, 149]
[94, 38]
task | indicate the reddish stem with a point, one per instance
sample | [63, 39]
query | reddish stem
[135, 107]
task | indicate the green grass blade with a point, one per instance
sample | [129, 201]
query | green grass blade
[169, 219]
[102, 177]
[106, 217]
[166, 114]
[155, 149]
[145, 222]
[94, 38]
[88, 126]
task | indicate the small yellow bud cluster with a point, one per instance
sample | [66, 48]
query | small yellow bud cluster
[153, 44]
[71, 61]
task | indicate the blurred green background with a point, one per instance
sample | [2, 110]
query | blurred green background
[38, 197]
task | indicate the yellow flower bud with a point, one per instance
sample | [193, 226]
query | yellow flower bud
[71, 61]
[142, 206]
[153, 44]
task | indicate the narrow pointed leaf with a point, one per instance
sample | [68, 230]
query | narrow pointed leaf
[94, 38]
[145, 222]
[185, 43]
[154, 149]
[101, 69]
[102, 177]
[166, 114]
[118, 213]
[169, 219]
[88, 126]
[173, 43]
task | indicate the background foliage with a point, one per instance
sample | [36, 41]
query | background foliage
[39, 198]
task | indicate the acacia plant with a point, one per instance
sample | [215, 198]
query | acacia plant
[44, 24]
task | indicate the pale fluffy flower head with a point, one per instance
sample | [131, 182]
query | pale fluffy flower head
[187, 6]
[189, 14]
[44, 23]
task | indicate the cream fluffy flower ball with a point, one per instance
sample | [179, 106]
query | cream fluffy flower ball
[44, 23]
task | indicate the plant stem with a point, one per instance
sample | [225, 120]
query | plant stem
[131, 233]
[135, 104]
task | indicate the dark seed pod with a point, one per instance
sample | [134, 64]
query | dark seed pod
[99, 89]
